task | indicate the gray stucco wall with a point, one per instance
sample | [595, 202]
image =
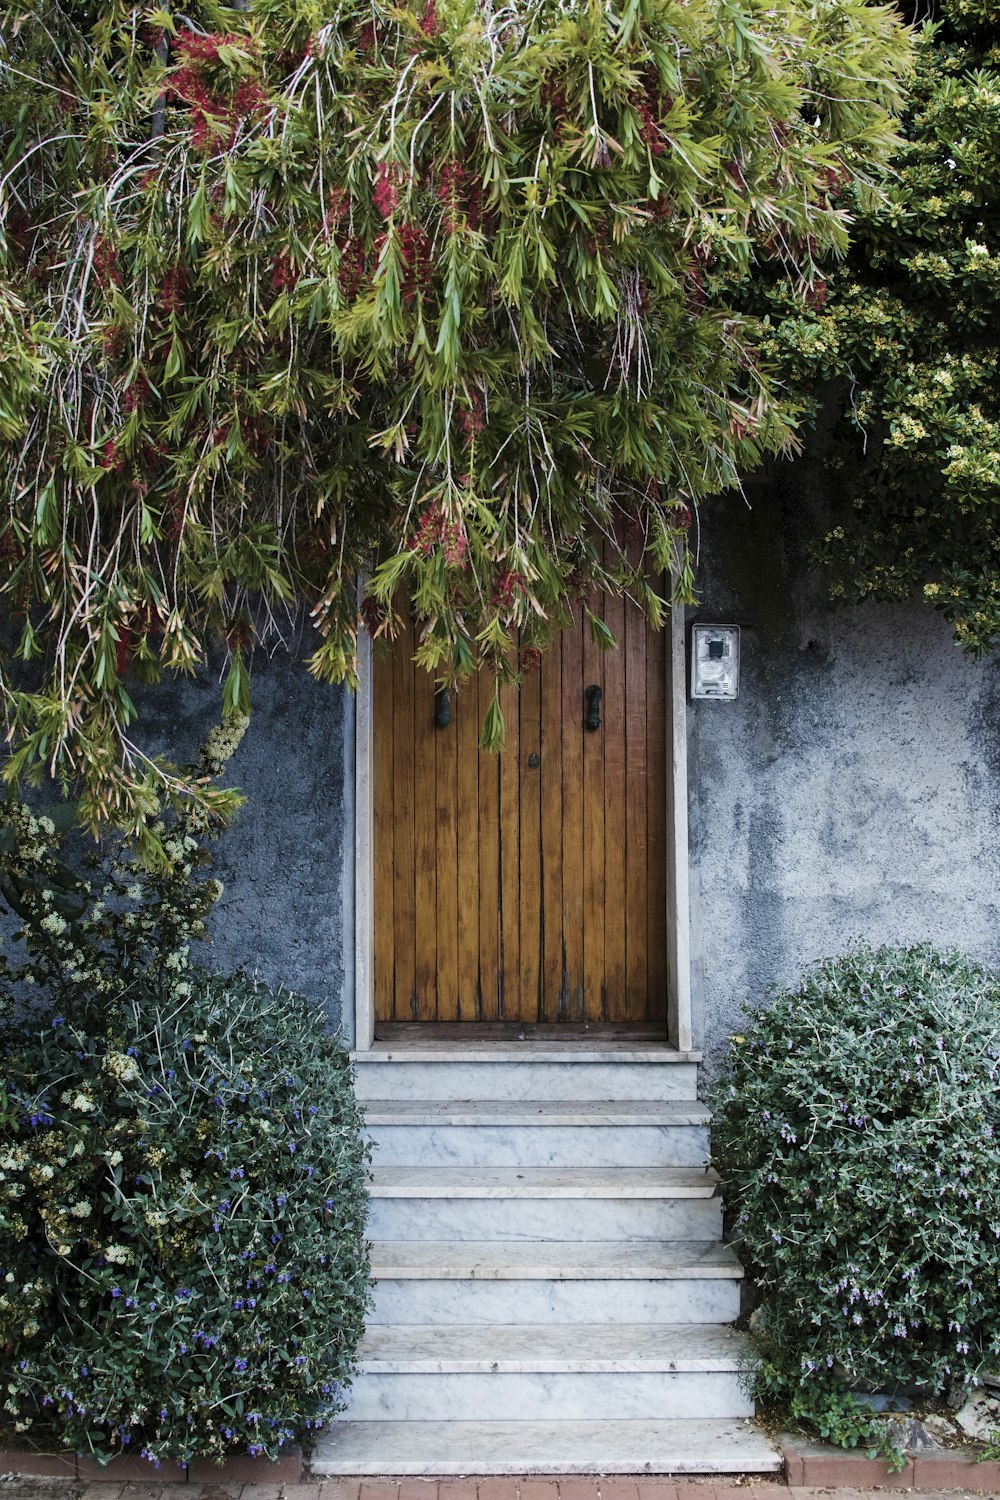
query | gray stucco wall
[287, 902]
[853, 789]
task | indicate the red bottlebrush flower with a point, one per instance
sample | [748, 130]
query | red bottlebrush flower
[429, 24]
[456, 544]
[472, 421]
[734, 171]
[10, 548]
[175, 513]
[106, 262]
[114, 459]
[429, 530]
[449, 192]
[648, 109]
[553, 95]
[249, 99]
[509, 582]
[353, 264]
[206, 47]
[114, 342]
[123, 650]
[415, 252]
[531, 659]
[816, 296]
[134, 396]
[366, 38]
[385, 195]
[680, 517]
[238, 636]
[284, 273]
[337, 203]
[175, 284]
[374, 614]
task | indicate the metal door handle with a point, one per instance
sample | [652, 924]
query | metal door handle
[592, 696]
[442, 708]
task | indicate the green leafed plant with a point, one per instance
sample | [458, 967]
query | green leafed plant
[433, 293]
[858, 1129]
[908, 326]
[183, 1269]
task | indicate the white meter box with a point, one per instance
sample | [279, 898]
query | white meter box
[715, 661]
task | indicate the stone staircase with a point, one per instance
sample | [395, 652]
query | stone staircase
[552, 1292]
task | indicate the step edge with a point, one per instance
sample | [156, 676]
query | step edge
[505, 1183]
[647, 1056]
[464, 1114]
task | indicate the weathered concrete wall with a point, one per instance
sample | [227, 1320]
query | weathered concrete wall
[288, 898]
[853, 790]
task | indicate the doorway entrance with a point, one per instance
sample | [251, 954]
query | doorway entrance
[529, 886]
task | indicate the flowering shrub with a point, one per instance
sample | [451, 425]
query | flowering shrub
[436, 293]
[857, 1128]
[182, 1194]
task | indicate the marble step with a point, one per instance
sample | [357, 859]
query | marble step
[447, 1282]
[588, 1447]
[526, 1071]
[544, 1203]
[550, 1133]
[513, 1373]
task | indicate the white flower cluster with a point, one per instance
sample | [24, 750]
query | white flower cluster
[121, 1066]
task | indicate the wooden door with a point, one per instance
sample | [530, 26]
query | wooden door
[526, 886]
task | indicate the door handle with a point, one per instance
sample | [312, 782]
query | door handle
[442, 708]
[592, 697]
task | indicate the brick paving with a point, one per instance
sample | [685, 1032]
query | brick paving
[574, 1487]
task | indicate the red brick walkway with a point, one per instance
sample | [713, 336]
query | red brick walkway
[572, 1488]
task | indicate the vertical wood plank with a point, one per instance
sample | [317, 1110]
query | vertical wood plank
[509, 839]
[550, 773]
[384, 819]
[424, 845]
[656, 825]
[404, 890]
[466, 715]
[593, 840]
[489, 862]
[531, 839]
[572, 1004]
[636, 871]
[446, 835]
[612, 733]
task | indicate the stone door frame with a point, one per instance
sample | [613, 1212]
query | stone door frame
[676, 916]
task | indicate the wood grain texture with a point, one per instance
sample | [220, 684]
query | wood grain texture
[529, 896]
[573, 1001]
[509, 893]
[488, 998]
[424, 1006]
[466, 711]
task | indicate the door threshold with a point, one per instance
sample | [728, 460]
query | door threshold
[421, 1035]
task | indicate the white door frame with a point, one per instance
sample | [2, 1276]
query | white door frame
[676, 915]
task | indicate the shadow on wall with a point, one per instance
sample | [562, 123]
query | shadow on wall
[282, 913]
[852, 790]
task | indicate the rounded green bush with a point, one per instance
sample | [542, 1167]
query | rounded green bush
[857, 1128]
[183, 1269]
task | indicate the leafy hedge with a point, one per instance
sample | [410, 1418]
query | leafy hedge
[182, 1194]
[857, 1127]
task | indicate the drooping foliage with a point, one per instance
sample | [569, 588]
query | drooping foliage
[910, 329]
[431, 293]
